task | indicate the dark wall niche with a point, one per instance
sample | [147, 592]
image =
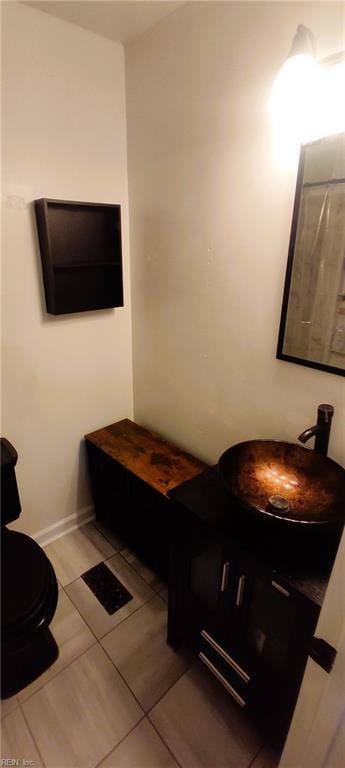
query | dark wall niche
[81, 254]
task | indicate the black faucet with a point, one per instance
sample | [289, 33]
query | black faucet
[321, 430]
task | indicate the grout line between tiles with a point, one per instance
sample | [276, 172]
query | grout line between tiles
[63, 586]
[116, 625]
[128, 685]
[56, 674]
[128, 617]
[106, 560]
[148, 713]
[82, 617]
[102, 560]
[156, 593]
[123, 679]
[168, 689]
[98, 640]
[159, 589]
[164, 742]
[94, 523]
[102, 537]
[279, 752]
[256, 755]
[154, 589]
[32, 735]
[117, 552]
[66, 667]
[4, 717]
[111, 750]
[120, 742]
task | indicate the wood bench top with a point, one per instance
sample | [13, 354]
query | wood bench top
[160, 464]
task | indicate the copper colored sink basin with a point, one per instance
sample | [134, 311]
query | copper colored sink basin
[284, 482]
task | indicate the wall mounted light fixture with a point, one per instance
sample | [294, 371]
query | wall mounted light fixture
[294, 92]
[303, 43]
[307, 99]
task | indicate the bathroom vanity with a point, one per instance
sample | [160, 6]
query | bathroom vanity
[244, 599]
[244, 602]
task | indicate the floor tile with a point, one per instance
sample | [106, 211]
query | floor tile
[202, 726]
[267, 758]
[17, 742]
[76, 552]
[91, 609]
[140, 652]
[96, 537]
[142, 748]
[73, 637]
[116, 542]
[8, 705]
[82, 714]
[142, 569]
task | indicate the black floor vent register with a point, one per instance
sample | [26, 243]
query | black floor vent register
[107, 588]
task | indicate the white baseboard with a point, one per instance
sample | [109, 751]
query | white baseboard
[68, 524]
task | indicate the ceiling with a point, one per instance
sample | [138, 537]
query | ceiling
[119, 20]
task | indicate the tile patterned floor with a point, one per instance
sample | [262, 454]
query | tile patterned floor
[118, 696]
[91, 609]
[139, 651]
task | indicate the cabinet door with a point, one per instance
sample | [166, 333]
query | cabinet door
[210, 581]
[274, 627]
[148, 524]
[270, 619]
[109, 487]
[272, 622]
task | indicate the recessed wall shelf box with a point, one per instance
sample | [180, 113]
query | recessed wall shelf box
[81, 255]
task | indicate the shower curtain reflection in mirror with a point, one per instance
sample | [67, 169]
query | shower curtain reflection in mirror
[313, 318]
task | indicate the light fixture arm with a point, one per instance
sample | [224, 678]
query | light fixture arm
[303, 42]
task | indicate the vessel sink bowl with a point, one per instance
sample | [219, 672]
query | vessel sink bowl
[284, 482]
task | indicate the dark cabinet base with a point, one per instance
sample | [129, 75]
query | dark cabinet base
[131, 472]
[249, 625]
[136, 513]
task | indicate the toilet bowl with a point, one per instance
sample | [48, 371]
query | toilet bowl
[29, 593]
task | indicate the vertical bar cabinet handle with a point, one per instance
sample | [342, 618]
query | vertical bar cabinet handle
[225, 576]
[240, 590]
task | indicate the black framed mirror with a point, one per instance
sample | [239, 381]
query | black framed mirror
[312, 325]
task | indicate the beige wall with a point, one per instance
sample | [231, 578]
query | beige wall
[64, 136]
[210, 215]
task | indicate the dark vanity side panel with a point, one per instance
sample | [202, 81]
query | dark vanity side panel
[41, 210]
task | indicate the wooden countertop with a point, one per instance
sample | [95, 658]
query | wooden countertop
[157, 462]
